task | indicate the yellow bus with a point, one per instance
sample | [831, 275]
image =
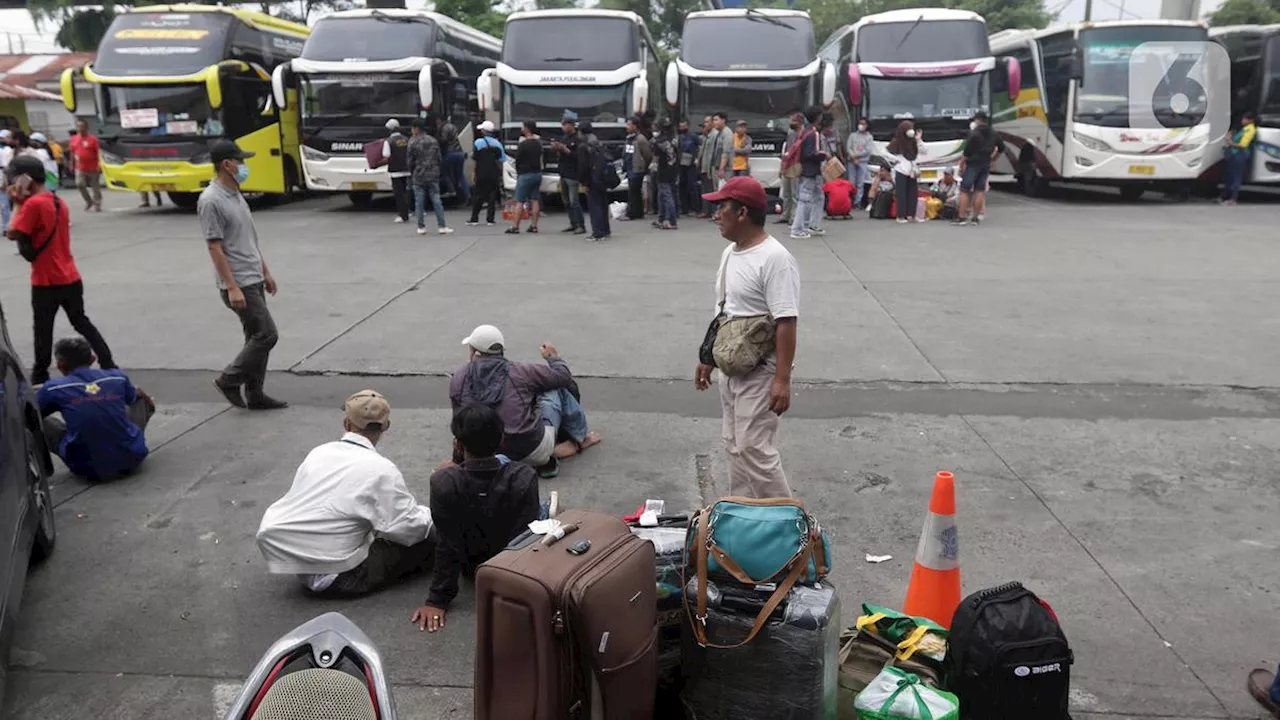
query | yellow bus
[170, 79]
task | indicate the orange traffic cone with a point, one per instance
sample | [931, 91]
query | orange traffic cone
[934, 591]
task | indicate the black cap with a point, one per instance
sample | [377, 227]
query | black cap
[227, 150]
[980, 116]
[28, 165]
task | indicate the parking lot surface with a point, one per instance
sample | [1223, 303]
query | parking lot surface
[1100, 376]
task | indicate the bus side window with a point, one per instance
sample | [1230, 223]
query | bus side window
[247, 105]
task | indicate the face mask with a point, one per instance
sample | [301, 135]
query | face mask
[862, 128]
[973, 125]
[242, 174]
[911, 133]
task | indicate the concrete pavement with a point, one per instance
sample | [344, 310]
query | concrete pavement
[1099, 376]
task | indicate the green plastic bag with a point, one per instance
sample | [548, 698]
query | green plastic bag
[898, 695]
[917, 636]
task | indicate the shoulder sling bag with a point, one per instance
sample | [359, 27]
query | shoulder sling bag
[26, 244]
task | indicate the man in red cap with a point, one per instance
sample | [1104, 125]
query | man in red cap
[758, 280]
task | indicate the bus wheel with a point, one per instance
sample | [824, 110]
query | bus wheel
[186, 201]
[361, 199]
[1131, 193]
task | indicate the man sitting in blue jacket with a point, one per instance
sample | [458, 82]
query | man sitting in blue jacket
[100, 435]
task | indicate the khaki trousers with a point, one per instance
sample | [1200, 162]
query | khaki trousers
[749, 429]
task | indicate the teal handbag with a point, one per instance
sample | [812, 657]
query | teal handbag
[754, 541]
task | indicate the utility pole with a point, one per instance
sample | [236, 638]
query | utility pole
[1088, 10]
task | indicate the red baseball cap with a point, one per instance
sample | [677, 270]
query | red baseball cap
[744, 189]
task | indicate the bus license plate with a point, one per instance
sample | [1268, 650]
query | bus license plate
[364, 186]
[164, 187]
[1142, 169]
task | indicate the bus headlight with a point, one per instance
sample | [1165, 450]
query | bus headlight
[111, 158]
[313, 154]
[1093, 144]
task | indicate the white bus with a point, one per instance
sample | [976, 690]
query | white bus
[1255, 87]
[753, 65]
[601, 64]
[929, 65]
[1072, 119]
[361, 68]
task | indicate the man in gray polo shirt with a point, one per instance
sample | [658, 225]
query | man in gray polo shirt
[242, 276]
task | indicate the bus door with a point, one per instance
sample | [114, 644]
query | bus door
[250, 117]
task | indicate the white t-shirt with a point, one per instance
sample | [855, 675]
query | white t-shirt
[762, 280]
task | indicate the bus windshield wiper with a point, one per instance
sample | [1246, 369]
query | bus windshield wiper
[561, 59]
[754, 15]
[910, 30]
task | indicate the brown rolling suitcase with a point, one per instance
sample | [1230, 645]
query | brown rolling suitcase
[563, 636]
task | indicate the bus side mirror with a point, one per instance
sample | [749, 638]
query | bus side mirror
[1075, 67]
[485, 94]
[280, 82]
[672, 84]
[641, 93]
[855, 86]
[425, 96]
[1013, 69]
[213, 86]
[67, 84]
[828, 84]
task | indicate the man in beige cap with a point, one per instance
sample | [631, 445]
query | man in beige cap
[348, 525]
[537, 403]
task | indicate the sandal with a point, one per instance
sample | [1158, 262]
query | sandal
[512, 231]
[533, 230]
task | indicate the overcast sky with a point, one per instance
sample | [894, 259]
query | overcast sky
[19, 28]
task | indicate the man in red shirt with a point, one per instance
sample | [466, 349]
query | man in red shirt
[84, 148]
[42, 220]
[839, 197]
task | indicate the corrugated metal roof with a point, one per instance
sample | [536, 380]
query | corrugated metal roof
[9, 91]
[28, 70]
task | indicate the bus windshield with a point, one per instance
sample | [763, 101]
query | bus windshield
[607, 103]
[380, 37]
[156, 111]
[1271, 81]
[764, 104]
[748, 42]
[166, 44]
[956, 98]
[359, 95]
[1103, 97]
[922, 41]
[570, 43]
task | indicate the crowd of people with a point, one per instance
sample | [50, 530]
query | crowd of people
[668, 165]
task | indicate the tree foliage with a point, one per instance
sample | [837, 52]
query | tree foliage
[1246, 12]
[83, 30]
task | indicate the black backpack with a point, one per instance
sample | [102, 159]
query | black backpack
[1007, 657]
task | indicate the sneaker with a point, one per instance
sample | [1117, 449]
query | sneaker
[958, 221]
[230, 392]
[570, 229]
[472, 223]
[901, 221]
[489, 223]
[800, 236]
[445, 231]
[398, 219]
[580, 231]
[977, 220]
[262, 401]
[422, 231]
[817, 231]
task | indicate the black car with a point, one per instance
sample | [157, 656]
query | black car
[26, 507]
